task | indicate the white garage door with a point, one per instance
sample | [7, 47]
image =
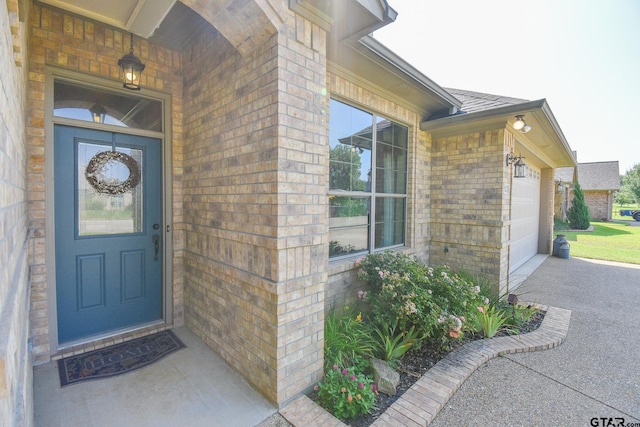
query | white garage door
[525, 215]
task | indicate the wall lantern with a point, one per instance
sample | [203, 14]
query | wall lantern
[521, 125]
[131, 69]
[519, 166]
[98, 113]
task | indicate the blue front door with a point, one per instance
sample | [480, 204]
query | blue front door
[108, 231]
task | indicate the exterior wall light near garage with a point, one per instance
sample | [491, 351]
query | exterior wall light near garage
[131, 68]
[519, 166]
[521, 125]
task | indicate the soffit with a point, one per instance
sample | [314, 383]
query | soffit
[172, 24]
[140, 17]
[346, 18]
[374, 66]
[544, 146]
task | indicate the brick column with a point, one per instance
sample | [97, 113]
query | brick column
[255, 201]
[302, 205]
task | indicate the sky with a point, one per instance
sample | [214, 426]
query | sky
[582, 56]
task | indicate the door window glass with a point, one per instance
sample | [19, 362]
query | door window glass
[89, 104]
[110, 194]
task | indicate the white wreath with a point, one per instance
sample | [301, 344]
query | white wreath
[95, 173]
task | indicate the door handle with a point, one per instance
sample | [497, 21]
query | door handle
[156, 245]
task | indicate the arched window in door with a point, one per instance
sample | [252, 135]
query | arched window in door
[73, 101]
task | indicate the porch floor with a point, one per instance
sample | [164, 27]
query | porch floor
[191, 387]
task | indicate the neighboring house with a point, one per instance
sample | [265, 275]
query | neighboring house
[261, 178]
[598, 180]
[564, 180]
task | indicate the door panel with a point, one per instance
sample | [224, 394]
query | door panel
[108, 265]
[525, 218]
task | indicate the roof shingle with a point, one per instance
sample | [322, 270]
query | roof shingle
[477, 101]
[599, 176]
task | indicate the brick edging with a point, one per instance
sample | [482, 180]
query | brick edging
[419, 405]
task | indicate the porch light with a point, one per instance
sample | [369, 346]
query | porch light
[521, 125]
[131, 69]
[519, 166]
[98, 113]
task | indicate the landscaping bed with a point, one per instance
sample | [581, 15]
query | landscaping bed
[408, 317]
[417, 362]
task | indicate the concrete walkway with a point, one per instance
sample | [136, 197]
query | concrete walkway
[191, 387]
[595, 373]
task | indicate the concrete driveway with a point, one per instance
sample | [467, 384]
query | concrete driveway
[595, 373]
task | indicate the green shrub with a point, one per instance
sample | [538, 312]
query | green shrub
[578, 213]
[491, 319]
[346, 393]
[398, 294]
[559, 225]
[396, 343]
[438, 303]
[347, 339]
[519, 314]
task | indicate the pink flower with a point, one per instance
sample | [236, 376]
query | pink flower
[361, 385]
[345, 372]
[362, 294]
[335, 367]
[481, 310]
[352, 377]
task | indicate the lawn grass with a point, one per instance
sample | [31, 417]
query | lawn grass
[610, 241]
[617, 207]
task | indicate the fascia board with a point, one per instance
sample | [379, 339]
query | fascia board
[500, 117]
[509, 110]
[407, 69]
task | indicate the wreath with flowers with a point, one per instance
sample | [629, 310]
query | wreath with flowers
[95, 173]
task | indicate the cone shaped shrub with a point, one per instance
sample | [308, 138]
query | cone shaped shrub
[578, 213]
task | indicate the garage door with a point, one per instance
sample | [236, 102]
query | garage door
[524, 218]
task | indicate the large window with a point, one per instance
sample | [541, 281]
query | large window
[367, 181]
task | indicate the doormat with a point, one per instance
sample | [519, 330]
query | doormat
[117, 359]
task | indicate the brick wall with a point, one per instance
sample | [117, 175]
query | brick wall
[561, 201]
[343, 284]
[600, 204]
[62, 40]
[547, 203]
[255, 204]
[469, 207]
[15, 360]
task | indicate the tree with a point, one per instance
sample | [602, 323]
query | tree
[578, 213]
[624, 197]
[631, 182]
[344, 172]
